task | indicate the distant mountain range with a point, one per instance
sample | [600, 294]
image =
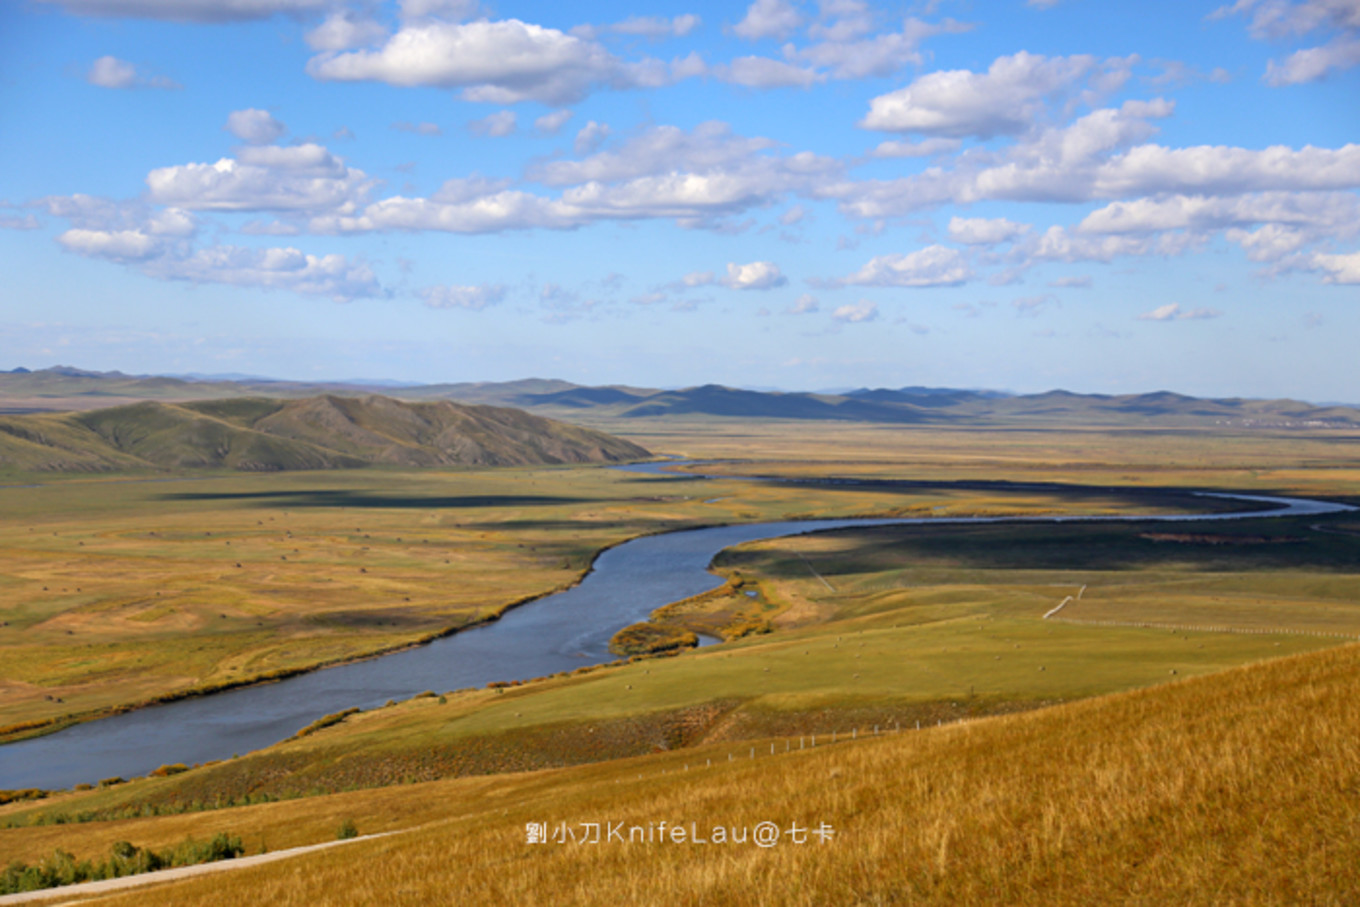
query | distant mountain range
[321, 432]
[64, 388]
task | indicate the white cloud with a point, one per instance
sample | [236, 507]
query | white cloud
[274, 268]
[430, 129]
[693, 176]
[552, 123]
[305, 178]
[653, 27]
[255, 126]
[979, 231]
[697, 279]
[501, 123]
[1278, 19]
[591, 136]
[804, 305]
[116, 245]
[1005, 100]
[1269, 243]
[847, 56]
[758, 275]
[1031, 306]
[1322, 211]
[1172, 311]
[768, 19]
[792, 216]
[933, 266]
[344, 30]
[447, 10]
[854, 313]
[460, 206]
[1339, 268]
[462, 297]
[1071, 282]
[1149, 169]
[206, 11]
[1314, 63]
[659, 150]
[501, 62]
[111, 72]
[923, 148]
[764, 72]
[1282, 18]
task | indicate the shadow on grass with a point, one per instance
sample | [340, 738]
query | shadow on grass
[1245, 546]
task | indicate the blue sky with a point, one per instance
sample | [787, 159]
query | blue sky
[1102, 196]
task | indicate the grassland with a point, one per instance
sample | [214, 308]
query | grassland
[1230, 776]
[121, 591]
[1234, 788]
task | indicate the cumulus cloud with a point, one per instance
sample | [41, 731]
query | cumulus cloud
[804, 305]
[923, 148]
[1323, 211]
[303, 178]
[1081, 282]
[1339, 268]
[501, 123]
[854, 313]
[552, 123]
[980, 231]
[933, 266]
[957, 103]
[430, 129]
[1278, 19]
[758, 275]
[768, 19]
[1172, 311]
[654, 27]
[203, 11]
[1031, 306]
[1314, 63]
[500, 62]
[344, 30]
[845, 54]
[697, 177]
[115, 245]
[460, 206]
[255, 126]
[168, 256]
[591, 136]
[462, 297]
[111, 72]
[764, 72]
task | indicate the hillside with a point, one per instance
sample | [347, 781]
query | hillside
[322, 432]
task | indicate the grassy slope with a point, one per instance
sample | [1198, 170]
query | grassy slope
[1239, 787]
[324, 432]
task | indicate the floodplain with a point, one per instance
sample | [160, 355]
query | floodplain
[865, 633]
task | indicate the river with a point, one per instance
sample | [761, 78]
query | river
[559, 632]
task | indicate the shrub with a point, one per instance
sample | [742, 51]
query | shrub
[347, 830]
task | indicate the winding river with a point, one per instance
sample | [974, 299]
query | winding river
[556, 633]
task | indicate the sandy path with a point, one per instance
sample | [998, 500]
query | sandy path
[170, 875]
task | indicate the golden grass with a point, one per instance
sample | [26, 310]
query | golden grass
[120, 592]
[1239, 787]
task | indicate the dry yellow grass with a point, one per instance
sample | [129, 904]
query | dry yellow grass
[1241, 787]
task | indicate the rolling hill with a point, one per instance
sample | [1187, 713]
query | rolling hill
[321, 432]
[65, 388]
